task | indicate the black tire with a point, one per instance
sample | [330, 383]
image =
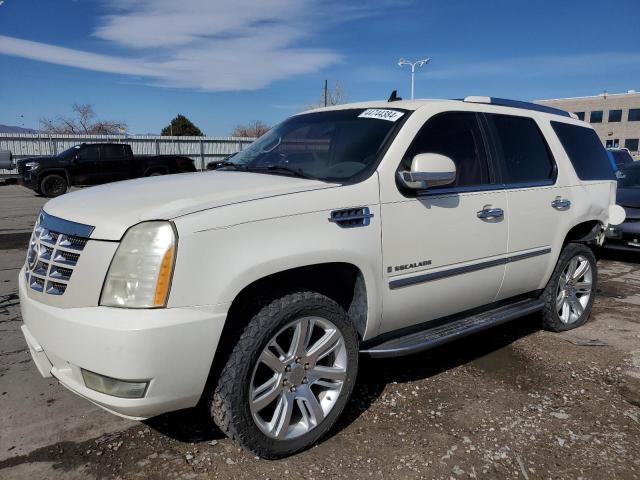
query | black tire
[155, 174]
[53, 185]
[550, 318]
[229, 402]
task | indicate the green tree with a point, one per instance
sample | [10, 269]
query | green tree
[181, 126]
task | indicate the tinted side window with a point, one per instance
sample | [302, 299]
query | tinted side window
[523, 152]
[584, 149]
[90, 153]
[112, 152]
[456, 135]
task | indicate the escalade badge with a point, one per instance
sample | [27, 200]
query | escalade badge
[33, 254]
[408, 266]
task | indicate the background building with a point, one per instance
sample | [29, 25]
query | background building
[615, 116]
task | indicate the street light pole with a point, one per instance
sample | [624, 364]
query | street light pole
[417, 63]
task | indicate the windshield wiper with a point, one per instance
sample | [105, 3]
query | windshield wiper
[281, 169]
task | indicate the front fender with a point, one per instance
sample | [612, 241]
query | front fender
[214, 266]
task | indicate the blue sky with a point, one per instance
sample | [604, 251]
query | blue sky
[225, 63]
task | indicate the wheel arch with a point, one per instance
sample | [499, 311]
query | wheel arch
[162, 169]
[343, 282]
[50, 171]
[587, 232]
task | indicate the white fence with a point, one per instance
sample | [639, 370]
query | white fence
[200, 149]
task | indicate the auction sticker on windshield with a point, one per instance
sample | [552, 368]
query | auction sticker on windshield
[381, 114]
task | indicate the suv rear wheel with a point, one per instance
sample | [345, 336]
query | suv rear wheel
[289, 376]
[570, 292]
[53, 185]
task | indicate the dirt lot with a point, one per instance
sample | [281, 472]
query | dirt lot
[513, 402]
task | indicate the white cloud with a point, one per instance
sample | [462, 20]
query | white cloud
[72, 58]
[206, 44]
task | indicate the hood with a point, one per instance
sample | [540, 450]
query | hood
[33, 159]
[628, 197]
[114, 207]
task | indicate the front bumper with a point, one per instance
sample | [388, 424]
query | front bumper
[625, 236]
[172, 348]
[28, 179]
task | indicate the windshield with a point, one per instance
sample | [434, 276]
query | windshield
[630, 176]
[338, 146]
[621, 157]
[69, 151]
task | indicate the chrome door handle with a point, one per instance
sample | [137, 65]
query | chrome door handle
[490, 213]
[561, 204]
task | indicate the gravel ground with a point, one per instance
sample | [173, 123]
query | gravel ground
[512, 402]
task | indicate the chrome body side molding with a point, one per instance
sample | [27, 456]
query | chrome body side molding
[429, 277]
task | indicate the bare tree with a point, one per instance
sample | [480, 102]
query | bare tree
[83, 121]
[334, 95]
[252, 129]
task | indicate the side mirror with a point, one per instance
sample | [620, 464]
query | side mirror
[428, 170]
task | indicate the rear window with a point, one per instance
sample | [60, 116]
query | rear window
[621, 157]
[524, 154]
[584, 149]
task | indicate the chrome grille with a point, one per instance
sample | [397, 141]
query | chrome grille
[54, 250]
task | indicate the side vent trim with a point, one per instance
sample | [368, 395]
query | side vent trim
[351, 217]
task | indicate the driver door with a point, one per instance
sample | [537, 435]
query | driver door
[441, 257]
[85, 165]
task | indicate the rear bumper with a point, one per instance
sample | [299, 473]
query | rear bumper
[171, 348]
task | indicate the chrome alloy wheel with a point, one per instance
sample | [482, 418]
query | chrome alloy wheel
[298, 378]
[574, 289]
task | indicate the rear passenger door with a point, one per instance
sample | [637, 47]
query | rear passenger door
[538, 206]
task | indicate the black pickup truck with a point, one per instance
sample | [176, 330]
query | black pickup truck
[93, 164]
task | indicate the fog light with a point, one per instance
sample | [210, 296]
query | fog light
[113, 386]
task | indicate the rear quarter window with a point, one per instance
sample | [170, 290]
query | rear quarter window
[585, 151]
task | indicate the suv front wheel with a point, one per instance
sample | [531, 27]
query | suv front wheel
[289, 376]
[571, 290]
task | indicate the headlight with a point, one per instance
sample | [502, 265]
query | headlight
[32, 165]
[141, 270]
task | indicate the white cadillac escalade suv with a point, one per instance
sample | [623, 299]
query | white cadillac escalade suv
[379, 228]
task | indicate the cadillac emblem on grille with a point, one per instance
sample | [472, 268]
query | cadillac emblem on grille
[54, 251]
[33, 253]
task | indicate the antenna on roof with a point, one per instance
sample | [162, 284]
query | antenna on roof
[394, 97]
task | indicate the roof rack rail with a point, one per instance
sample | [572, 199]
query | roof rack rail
[504, 102]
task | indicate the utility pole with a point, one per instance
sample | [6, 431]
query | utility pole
[417, 63]
[326, 92]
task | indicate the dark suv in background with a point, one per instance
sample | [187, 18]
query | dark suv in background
[627, 235]
[93, 164]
